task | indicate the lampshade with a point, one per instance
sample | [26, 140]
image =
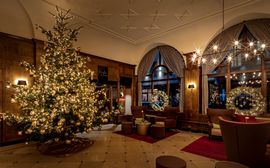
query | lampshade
[191, 86]
[21, 82]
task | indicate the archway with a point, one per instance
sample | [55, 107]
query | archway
[157, 59]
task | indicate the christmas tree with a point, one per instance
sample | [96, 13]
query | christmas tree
[62, 101]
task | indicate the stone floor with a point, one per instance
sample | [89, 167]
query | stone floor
[109, 150]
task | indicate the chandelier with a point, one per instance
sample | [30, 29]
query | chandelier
[248, 50]
[243, 48]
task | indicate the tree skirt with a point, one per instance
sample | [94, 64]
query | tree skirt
[61, 148]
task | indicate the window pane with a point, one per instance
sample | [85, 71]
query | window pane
[160, 73]
[160, 85]
[174, 96]
[240, 63]
[217, 92]
[146, 93]
[251, 79]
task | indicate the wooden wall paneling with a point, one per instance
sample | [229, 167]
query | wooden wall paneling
[135, 91]
[113, 73]
[38, 50]
[12, 52]
[93, 67]
[191, 101]
[1, 105]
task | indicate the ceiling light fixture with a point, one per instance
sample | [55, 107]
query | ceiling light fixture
[248, 50]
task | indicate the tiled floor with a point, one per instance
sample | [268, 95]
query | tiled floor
[109, 150]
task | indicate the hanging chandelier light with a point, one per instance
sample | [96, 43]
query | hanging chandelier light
[246, 49]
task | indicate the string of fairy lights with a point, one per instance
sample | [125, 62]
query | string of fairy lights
[249, 51]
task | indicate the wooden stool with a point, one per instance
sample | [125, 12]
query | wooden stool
[157, 131]
[229, 164]
[127, 127]
[167, 161]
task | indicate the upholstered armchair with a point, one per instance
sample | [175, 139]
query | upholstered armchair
[171, 117]
[213, 121]
[246, 143]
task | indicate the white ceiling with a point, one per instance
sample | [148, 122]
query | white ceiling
[139, 20]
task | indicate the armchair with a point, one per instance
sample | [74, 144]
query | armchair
[213, 121]
[171, 117]
[246, 143]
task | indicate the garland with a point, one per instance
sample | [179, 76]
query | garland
[164, 100]
[256, 98]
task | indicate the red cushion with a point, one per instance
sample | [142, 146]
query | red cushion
[245, 118]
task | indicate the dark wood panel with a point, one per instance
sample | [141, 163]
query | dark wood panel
[113, 74]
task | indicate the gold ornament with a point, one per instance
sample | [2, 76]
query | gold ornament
[19, 132]
[68, 141]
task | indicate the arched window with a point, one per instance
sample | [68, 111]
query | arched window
[241, 70]
[162, 68]
[160, 77]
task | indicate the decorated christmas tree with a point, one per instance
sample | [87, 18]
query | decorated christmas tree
[62, 101]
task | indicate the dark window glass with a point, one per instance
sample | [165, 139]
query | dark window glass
[217, 92]
[250, 79]
[159, 77]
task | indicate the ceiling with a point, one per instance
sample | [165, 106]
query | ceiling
[137, 21]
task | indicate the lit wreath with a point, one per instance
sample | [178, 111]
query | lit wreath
[164, 100]
[257, 100]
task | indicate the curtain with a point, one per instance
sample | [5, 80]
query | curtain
[224, 42]
[260, 29]
[143, 68]
[174, 60]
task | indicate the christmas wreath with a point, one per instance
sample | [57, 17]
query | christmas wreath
[249, 97]
[159, 100]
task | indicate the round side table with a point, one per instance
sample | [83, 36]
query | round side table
[167, 161]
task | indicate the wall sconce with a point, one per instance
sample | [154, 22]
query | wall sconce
[191, 86]
[21, 82]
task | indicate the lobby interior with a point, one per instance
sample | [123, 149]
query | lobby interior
[185, 79]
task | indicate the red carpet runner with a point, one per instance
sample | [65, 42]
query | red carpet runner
[146, 138]
[208, 148]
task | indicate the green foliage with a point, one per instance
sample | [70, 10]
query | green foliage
[62, 100]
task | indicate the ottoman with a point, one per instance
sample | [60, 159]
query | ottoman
[126, 127]
[167, 161]
[157, 131]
